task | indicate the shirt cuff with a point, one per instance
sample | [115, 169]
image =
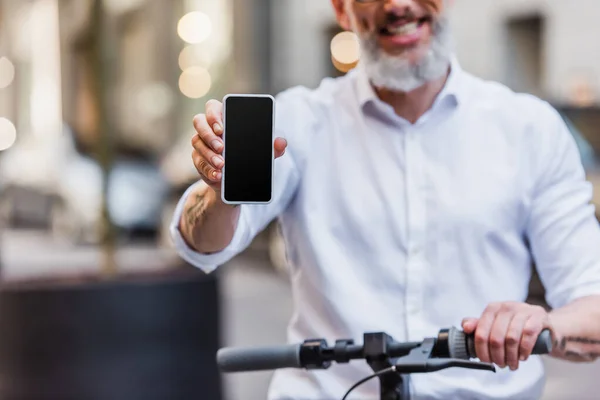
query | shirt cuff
[207, 262]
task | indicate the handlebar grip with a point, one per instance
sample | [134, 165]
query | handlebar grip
[234, 359]
[462, 346]
[543, 344]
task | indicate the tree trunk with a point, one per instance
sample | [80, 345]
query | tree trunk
[101, 67]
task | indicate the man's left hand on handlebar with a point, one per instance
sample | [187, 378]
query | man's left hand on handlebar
[506, 332]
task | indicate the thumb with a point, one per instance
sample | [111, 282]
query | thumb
[280, 146]
[469, 325]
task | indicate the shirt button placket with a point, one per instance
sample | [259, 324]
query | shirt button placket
[416, 219]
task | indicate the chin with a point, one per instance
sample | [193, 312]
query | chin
[412, 57]
[408, 68]
[402, 75]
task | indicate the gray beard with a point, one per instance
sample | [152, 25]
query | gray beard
[396, 73]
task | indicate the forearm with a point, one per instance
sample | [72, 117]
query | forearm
[577, 328]
[207, 224]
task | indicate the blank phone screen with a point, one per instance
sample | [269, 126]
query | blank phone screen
[248, 149]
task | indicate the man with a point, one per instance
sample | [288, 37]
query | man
[412, 197]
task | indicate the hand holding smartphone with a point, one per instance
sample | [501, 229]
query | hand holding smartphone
[234, 148]
[249, 149]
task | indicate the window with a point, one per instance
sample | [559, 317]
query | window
[524, 55]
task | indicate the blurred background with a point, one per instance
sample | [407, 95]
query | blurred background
[96, 103]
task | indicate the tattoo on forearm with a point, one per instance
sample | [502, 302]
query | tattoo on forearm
[575, 339]
[197, 211]
[582, 355]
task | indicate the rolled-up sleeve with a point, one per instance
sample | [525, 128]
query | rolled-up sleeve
[291, 119]
[562, 229]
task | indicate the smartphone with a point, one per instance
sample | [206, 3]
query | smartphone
[248, 128]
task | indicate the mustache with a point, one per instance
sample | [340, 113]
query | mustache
[396, 16]
[431, 7]
[392, 18]
[439, 24]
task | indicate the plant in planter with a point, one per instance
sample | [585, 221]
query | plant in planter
[142, 326]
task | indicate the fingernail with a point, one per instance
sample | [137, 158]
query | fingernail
[217, 127]
[214, 174]
[219, 174]
[216, 144]
[217, 161]
[522, 358]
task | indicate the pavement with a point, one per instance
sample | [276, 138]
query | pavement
[33, 254]
[257, 304]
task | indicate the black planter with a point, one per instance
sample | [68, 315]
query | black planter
[134, 338]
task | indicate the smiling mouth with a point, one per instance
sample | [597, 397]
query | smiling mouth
[406, 27]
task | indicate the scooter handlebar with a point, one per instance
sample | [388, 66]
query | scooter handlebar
[259, 358]
[462, 345]
[239, 359]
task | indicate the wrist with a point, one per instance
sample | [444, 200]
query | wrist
[560, 334]
[216, 226]
[216, 201]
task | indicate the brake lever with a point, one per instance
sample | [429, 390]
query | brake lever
[437, 364]
[419, 361]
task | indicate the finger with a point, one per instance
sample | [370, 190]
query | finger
[469, 325]
[214, 116]
[513, 340]
[280, 146]
[209, 174]
[532, 329]
[206, 134]
[498, 337]
[215, 160]
[482, 332]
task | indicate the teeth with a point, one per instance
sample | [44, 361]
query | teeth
[407, 29]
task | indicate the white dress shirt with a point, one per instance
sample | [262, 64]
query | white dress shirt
[409, 228]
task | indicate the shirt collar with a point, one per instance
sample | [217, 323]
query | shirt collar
[453, 88]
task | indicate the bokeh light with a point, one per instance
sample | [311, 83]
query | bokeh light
[7, 72]
[195, 82]
[194, 56]
[581, 92]
[8, 133]
[345, 51]
[194, 27]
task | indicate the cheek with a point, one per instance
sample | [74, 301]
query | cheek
[432, 6]
[365, 20]
[363, 23]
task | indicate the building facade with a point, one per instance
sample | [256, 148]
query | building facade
[544, 47]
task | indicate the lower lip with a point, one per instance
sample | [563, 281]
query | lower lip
[405, 40]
